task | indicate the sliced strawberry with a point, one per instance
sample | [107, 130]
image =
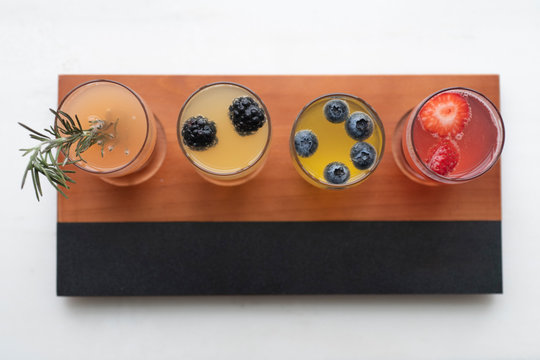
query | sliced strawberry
[445, 114]
[443, 157]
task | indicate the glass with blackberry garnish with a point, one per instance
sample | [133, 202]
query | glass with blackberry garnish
[224, 130]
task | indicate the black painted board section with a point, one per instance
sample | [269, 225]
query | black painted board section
[234, 258]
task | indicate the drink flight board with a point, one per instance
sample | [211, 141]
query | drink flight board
[177, 234]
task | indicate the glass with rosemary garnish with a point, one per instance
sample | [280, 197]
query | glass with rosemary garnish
[131, 145]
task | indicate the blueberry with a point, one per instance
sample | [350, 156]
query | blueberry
[336, 111]
[199, 133]
[363, 155]
[246, 115]
[359, 126]
[305, 143]
[336, 173]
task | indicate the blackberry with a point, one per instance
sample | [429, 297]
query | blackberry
[363, 155]
[336, 173]
[305, 143]
[359, 126]
[199, 133]
[336, 111]
[246, 115]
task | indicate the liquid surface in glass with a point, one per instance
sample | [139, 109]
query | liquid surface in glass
[334, 144]
[109, 102]
[474, 146]
[232, 152]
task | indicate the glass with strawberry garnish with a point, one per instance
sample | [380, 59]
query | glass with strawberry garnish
[453, 136]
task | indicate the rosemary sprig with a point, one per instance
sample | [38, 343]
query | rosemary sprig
[44, 157]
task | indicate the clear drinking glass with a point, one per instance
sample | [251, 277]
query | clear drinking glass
[453, 136]
[337, 141]
[232, 154]
[138, 146]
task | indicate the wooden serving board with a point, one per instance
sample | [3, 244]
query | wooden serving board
[379, 211]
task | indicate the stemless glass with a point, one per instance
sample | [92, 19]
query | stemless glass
[335, 145]
[137, 147]
[462, 149]
[235, 157]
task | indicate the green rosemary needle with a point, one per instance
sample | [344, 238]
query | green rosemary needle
[44, 157]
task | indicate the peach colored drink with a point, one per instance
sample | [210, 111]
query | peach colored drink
[135, 134]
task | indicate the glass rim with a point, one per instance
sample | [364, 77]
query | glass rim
[445, 179]
[145, 114]
[377, 119]
[245, 168]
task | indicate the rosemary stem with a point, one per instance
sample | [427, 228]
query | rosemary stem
[66, 135]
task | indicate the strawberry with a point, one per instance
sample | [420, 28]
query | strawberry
[445, 114]
[443, 157]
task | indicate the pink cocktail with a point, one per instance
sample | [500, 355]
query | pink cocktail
[453, 136]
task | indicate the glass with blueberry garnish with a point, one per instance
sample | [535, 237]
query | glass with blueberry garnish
[337, 141]
[224, 130]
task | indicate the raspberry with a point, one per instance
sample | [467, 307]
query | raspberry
[444, 157]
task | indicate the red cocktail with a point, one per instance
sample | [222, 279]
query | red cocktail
[453, 136]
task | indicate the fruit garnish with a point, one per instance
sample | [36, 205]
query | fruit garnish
[199, 133]
[443, 157]
[246, 115]
[305, 143]
[359, 126]
[445, 114]
[336, 173]
[336, 111]
[363, 155]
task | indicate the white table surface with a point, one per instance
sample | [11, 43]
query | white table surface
[41, 39]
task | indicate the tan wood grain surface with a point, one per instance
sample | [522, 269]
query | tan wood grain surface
[278, 193]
